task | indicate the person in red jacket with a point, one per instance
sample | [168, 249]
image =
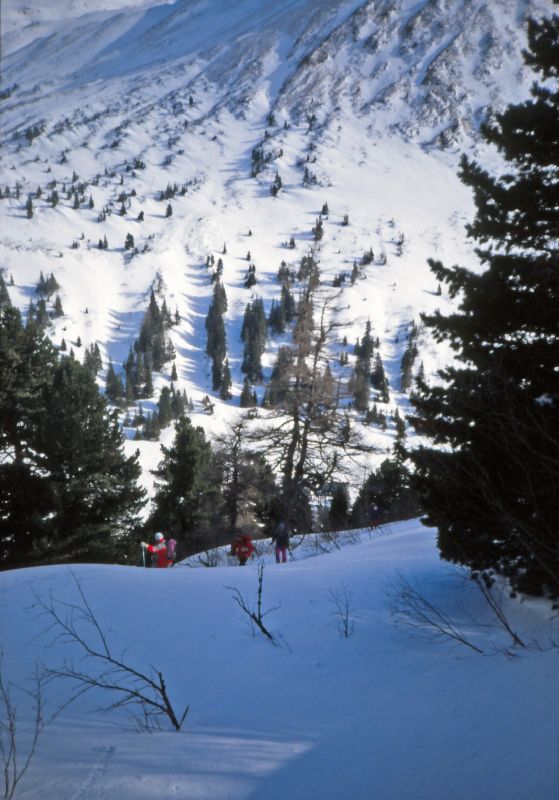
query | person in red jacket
[158, 551]
[243, 548]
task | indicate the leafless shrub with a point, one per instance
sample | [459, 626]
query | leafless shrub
[409, 606]
[213, 557]
[255, 615]
[486, 586]
[342, 599]
[14, 765]
[140, 690]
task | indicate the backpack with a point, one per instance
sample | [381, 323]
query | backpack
[171, 548]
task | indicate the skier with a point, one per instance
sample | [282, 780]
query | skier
[243, 548]
[158, 551]
[281, 538]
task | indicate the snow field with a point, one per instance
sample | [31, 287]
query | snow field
[378, 714]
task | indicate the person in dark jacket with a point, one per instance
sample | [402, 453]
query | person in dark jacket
[281, 538]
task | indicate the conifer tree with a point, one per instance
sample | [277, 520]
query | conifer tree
[253, 334]
[247, 395]
[4, 294]
[360, 380]
[338, 513]
[276, 317]
[68, 490]
[165, 409]
[187, 502]
[379, 380]
[216, 346]
[406, 365]
[226, 382]
[113, 385]
[490, 481]
[58, 311]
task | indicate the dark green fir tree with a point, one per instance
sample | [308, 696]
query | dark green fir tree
[187, 501]
[489, 481]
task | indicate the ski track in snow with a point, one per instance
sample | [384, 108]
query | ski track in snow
[92, 788]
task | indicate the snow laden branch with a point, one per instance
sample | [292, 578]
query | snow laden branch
[14, 765]
[256, 616]
[143, 691]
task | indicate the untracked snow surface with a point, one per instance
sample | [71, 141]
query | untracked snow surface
[376, 716]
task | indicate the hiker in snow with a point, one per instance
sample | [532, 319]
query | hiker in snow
[243, 548]
[375, 514]
[281, 538]
[159, 557]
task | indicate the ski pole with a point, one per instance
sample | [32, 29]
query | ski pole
[143, 555]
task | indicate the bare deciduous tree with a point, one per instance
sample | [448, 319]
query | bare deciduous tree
[15, 766]
[255, 615]
[307, 435]
[342, 599]
[142, 690]
[409, 606]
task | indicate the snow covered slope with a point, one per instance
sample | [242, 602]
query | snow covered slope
[378, 714]
[364, 106]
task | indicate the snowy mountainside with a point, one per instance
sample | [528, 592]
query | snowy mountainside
[362, 106]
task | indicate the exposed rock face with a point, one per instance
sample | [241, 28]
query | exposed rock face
[426, 71]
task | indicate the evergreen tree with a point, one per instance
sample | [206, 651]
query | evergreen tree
[29, 208]
[148, 384]
[68, 491]
[406, 364]
[226, 382]
[247, 396]
[41, 314]
[216, 346]
[250, 277]
[57, 310]
[385, 496]
[338, 513]
[276, 185]
[276, 317]
[490, 482]
[165, 409]
[113, 385]
[187, 501]
[379, 380]
[4, 295]
[253, 334]
[360, 379]
[93, 483]
[279, 386]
